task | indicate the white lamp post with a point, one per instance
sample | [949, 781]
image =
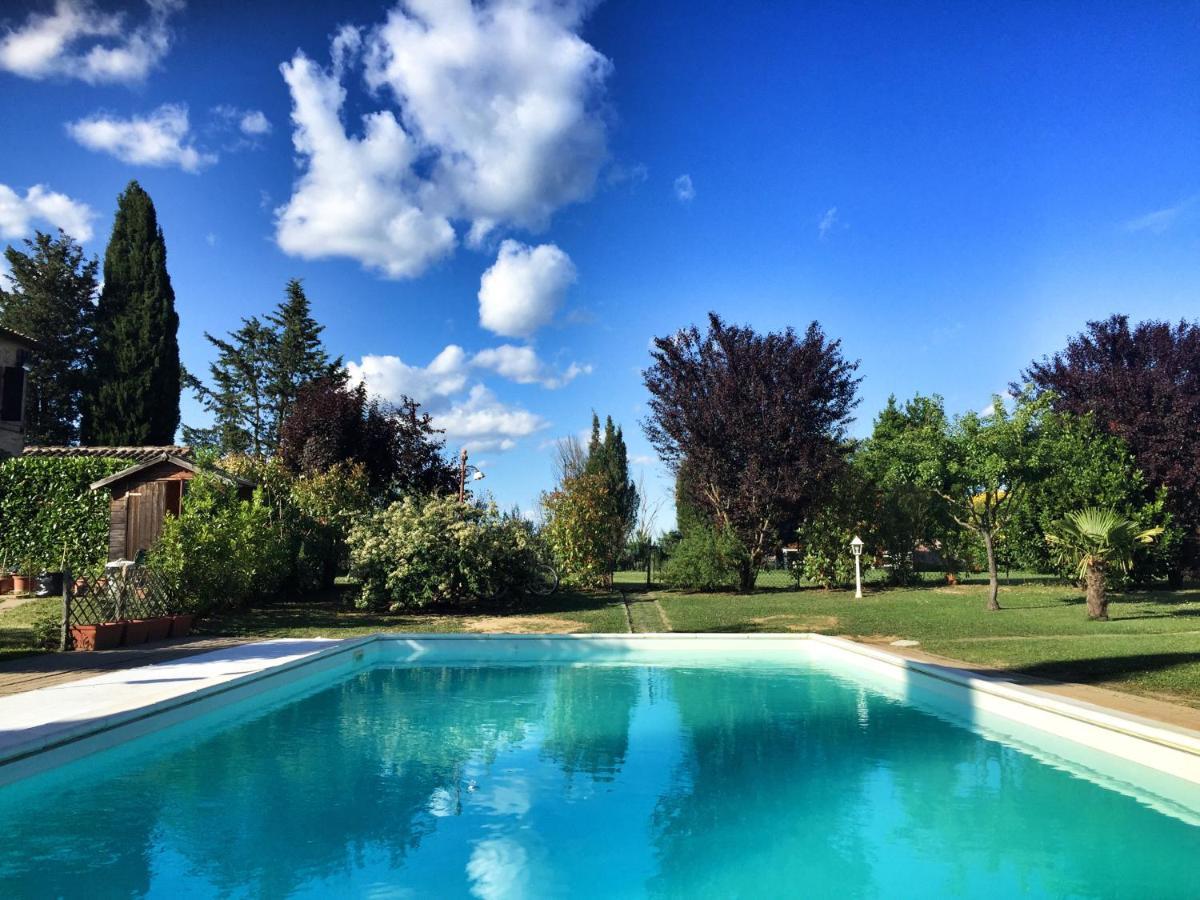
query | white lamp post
[856, 546]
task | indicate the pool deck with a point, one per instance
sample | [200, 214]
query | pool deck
[30, 673]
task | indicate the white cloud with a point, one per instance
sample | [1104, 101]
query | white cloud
[522, 365]
[482, 422]
[643, 459]
[523, 288]
[160, 139]
[77, 40]
[495, 120]
[685, 191]
[40, 204]
[391, 378]
[1161, 220]
[254, 122]
[251, 123]
[828, 222]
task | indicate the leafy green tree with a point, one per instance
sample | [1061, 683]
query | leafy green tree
[849, 508]
[133, 394]
[1095, 540]
[905, 460]
[1075, 464]
[52, 299]
[988, 472]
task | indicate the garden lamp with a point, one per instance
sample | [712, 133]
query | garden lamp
[856, 546]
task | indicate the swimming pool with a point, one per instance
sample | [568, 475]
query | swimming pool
[766, 769]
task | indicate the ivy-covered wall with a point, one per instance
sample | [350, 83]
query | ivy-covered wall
[47, 513]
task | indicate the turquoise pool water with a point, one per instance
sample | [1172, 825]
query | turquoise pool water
[619, 780]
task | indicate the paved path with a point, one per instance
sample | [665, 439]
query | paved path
[28, 673]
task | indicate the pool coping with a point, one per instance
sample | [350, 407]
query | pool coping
[128, 702]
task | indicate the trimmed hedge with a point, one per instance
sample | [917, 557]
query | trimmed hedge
[47, 510]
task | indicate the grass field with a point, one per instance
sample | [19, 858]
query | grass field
[1151, 646]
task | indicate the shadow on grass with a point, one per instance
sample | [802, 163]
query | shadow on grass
[1102, 668]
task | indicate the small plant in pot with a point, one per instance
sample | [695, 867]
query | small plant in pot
[25, 575]
[6, 582]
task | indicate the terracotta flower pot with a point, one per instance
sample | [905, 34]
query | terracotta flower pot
[181, 625]
[105, 636]
[6, 584]
[22, 584]
[136, 631]
[160, 628]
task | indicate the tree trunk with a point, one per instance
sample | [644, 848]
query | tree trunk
[1097, 597]
[989, 544]
[746, 573]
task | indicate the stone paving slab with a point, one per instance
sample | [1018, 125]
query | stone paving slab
[29, 673]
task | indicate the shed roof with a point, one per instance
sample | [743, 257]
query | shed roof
[17, 338]
[136, 454]
[174, 460]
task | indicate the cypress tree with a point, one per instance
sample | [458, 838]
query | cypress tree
[608, 457]
[52, 299]
[134, 395]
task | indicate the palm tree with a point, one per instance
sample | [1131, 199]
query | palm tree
[1095, 539]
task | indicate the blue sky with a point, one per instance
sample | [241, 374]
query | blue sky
[950, 189]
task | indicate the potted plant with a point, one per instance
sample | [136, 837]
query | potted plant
[181, 624]
[6, 582]
[24, 577]
[137, 631]
[159, 628]
[103, 636]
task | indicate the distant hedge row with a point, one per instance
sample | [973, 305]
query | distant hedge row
[47, 512]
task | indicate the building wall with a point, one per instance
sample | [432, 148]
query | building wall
[12, 434]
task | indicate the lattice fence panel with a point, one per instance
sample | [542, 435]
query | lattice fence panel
[133, 593]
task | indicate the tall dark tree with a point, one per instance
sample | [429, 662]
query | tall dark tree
[398, 446]
[52, 298]
[608, 458]
[298, 356]
[1142, 383]
[133, 397]
[240, 397]
[759, 418]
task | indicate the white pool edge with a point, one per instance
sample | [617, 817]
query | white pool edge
[133, 705]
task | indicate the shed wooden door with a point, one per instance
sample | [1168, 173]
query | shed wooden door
[144, 516]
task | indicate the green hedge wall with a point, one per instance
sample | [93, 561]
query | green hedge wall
[46, 508]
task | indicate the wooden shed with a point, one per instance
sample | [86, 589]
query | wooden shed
[145, 494]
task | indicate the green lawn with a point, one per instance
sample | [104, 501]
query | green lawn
[1151, 645]
[17, 626]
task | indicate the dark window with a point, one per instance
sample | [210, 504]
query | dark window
[12, 392]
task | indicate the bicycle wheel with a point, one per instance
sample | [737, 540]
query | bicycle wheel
[544, 581]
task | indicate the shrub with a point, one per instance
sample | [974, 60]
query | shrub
[705, 559]
[825, 549]
[312, 512]
[49, 512]
[583, 529]
[422, 551]
[220, 551]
